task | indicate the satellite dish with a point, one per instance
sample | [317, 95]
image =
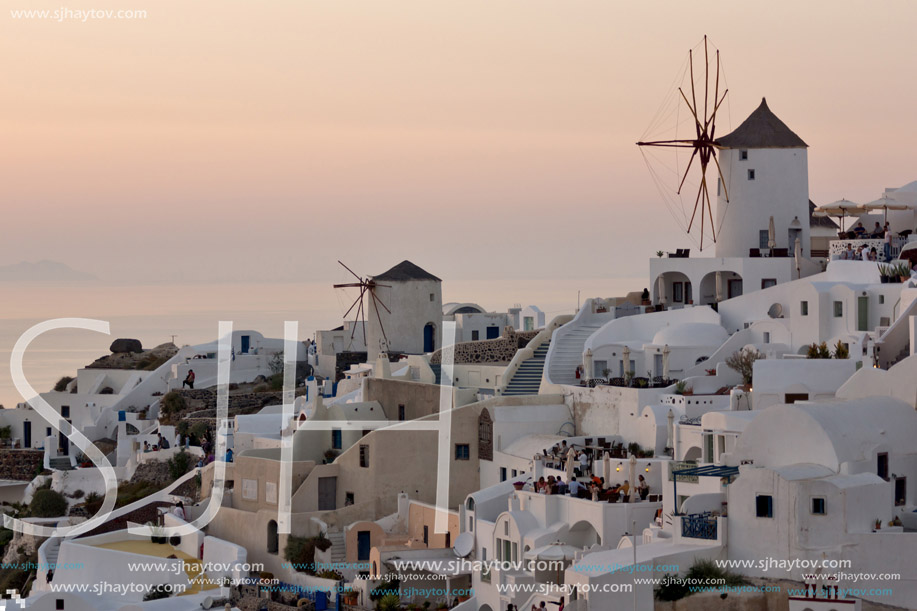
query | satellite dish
[207, 603]
[464, 544]
[775, 311]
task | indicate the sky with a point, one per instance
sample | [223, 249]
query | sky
[217, 141]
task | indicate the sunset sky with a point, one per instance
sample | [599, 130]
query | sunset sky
[479, 138]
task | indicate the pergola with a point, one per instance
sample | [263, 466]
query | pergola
[720, 471]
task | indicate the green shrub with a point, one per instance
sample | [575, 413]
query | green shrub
[276, 381]
[14, 579]
[389, 602]
[300, 551]
[670, 589]
[173, 402]
[703, 572]
[818, 351]
[261, 388]
[385, 589]
[61, 385]
[841, 351]
[47, 503]
[179, 464]
[6, 432]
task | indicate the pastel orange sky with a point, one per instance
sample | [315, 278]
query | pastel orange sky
[242, 140]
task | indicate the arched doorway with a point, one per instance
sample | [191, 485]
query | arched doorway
[673, 289]
[583, 534]
[273, 542]
[429, 337]
[717, 286]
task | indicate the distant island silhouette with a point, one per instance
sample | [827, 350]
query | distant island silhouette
[43, 271]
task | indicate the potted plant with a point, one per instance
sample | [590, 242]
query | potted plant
[878, 524]
[904, 271]
[518, 485]
[157, 533]
[659, 253]
[885, 273]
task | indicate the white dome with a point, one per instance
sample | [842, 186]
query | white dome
[691, 334]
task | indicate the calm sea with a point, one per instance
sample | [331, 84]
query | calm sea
[154, 313]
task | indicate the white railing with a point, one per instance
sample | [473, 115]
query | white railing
[838, 247]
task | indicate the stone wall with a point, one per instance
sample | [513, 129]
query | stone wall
[21, 465]
[500, 350]
[201, 399]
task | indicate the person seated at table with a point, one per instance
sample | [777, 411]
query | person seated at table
[877, 231]
[540, 485]
[624, 491]
[859, 230]
[872, 255]
[551, 486]
[574, 487]
[847, 254]
[594, 491]
[560, 486]
[146, 446]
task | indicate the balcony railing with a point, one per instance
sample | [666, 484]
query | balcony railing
[699, 526]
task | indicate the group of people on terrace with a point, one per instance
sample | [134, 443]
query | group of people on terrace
[593, 487]
[859, 232]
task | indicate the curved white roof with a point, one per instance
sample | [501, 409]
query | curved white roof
[691, 334]
[828, 434]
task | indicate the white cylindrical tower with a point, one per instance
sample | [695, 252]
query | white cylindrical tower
[765, 174]
[414, 318]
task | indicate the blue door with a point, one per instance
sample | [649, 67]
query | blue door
[428, 338]
[363, 545]
[245, 343]
[493, 332]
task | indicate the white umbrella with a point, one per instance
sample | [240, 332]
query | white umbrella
[625, 356]
[633, 479]
[771, 234]
[885, 204]
[568, 465]
[606, 467]
[797, 252]
[841, 209]
[665, 362]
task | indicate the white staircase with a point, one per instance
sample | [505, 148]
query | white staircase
[566, 351]
[338, 551]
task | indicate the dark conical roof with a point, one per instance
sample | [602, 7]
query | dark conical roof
[762, 130]
[405, 272]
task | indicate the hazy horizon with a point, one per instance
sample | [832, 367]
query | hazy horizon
[214, 142]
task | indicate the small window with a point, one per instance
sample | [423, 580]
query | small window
[804, 308]
[900, 491]
[515, 473]
[426, 534]
[881, 299]
[762, 238]
[767, 337]
[401, 411]
[768, 282]
[462, 452]
[764, 506]
[838, 309]
[64, 411]
[475, 335]
[349, 498]
[59, 604]
[336, 439]
[743, 155]
[751, 174]
[818, 505]
[719, 184]
[502, 474]
[364, 455]
[432, 296]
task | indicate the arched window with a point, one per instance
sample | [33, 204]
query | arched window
[485, 436]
